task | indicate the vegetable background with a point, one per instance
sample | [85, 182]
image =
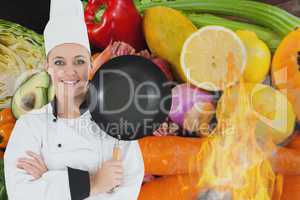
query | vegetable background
[33, 14]
[26, 12]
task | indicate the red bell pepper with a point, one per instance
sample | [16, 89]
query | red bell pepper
[121, 21]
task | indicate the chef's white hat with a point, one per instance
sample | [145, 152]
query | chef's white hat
[66, 25]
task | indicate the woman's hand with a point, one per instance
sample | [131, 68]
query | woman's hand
[108, 176]
[35, 166]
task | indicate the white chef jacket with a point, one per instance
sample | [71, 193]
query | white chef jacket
[76, 143]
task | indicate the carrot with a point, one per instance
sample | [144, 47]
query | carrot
[99, 59]
[295, 141]
[286, 161]
[176, 187]
[168, 155]
[5, 132]
[95, 55]
[291, 188]
[6, 116]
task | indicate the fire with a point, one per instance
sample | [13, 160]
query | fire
[234, 162]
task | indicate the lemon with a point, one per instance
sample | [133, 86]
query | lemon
[259, 57]
[273, 111]
[204, 58]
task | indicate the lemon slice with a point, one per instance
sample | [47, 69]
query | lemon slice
[204, 58]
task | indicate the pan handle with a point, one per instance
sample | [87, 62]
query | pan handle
[116, 156]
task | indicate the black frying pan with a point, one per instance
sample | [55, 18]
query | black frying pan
[129, 97]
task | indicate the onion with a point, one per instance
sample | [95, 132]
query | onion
[191, 107]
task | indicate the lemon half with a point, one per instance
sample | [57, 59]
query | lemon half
[204, 57]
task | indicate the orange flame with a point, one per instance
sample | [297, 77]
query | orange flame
[232, 159]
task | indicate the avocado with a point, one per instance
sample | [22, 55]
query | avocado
[32, 94]
[51, 92]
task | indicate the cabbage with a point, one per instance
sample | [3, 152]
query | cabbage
[21, 50]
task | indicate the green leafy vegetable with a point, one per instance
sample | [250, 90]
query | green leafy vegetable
[20, 50]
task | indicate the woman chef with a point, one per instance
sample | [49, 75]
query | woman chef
[58, 152]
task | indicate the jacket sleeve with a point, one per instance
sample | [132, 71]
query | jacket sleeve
[133, 164]
[19, 184]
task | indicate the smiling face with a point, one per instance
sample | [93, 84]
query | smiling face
[69, 66]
